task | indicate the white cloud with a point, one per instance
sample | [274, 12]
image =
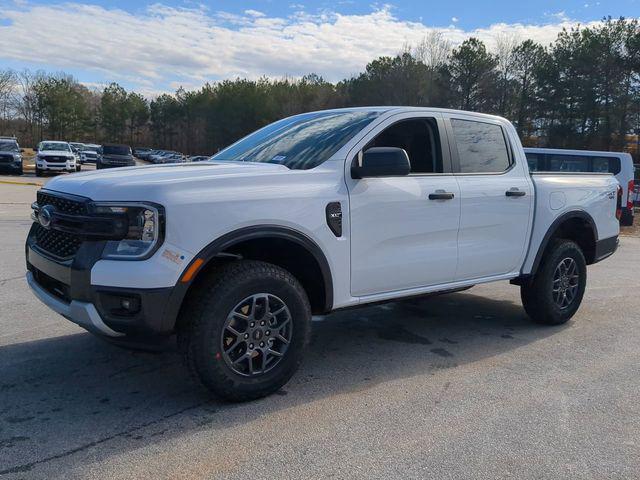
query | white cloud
[164, 46]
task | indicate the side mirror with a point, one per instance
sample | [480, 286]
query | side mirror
[382, 162]
[22, 150]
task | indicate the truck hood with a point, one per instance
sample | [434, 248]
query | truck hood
[151, 181]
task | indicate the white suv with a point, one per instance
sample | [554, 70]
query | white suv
[55, 156]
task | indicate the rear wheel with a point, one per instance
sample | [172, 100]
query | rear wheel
[555, 293]
[245, 330]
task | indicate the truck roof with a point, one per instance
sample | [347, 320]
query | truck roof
[401, 109]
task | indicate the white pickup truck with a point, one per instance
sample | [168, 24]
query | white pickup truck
[313, 213]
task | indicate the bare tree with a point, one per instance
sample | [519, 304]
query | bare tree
[7, 86]
[433, 50]
[26, 104]
[505, 46]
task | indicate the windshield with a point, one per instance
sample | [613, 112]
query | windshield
[56, 147]
[116, 150]
[8, 146]
[300, 142]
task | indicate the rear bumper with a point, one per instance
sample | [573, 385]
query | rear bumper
[626, 220]
[605, 248]
[65, 287]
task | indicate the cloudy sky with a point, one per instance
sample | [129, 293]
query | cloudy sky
[157, 46]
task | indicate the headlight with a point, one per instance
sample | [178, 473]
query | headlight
[144, 234]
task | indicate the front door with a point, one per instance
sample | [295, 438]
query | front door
[404, 229]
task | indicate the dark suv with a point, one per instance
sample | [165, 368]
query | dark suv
[113, 155]
[10, 155]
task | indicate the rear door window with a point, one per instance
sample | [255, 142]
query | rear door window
[481, 146]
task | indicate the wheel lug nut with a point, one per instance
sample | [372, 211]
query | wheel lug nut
[252, 324]
[262, 322]
[262, 344]
[251, 345]
[267, 333]
[246, 335]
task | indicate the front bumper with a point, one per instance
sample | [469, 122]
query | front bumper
[68, 166]
[14, 167]
[82, 313]
[65, 287]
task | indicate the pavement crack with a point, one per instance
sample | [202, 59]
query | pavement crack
[28, 466]
[10, 279]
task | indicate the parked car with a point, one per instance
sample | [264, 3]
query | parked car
[619, 164]
[141, 152]
[173, 158]
[314, 213]
[156, 156]
[10, 155]
[166, 157]
[113, 155]
[55, 156]
[199, 158]
[89, 153]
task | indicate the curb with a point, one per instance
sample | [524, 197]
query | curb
[11, 182]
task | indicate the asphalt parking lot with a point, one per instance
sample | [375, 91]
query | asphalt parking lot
[457, 386]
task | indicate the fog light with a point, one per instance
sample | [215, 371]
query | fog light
[130, 305]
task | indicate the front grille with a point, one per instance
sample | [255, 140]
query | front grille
[62, 204]
[55, 159]
[60, 244]
[6, 158]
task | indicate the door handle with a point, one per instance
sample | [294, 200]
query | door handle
[514, 192]
[441, 196]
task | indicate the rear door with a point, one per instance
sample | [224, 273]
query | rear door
[496, 198]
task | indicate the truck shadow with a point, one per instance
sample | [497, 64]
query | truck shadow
[64, 395]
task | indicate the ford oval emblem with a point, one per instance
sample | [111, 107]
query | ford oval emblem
[45, 215]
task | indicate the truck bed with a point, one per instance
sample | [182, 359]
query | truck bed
[557, 193]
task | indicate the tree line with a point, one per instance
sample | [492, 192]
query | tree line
[581, 91]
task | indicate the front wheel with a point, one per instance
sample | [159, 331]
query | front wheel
[245, 330]
[555, 293]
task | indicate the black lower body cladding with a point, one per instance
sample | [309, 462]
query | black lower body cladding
[129, 311]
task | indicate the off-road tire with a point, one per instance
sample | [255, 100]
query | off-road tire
[202, 325]
[538, 296]
[38, 172]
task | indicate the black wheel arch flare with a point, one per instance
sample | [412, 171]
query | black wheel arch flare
[219, 245]
[555, 226]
